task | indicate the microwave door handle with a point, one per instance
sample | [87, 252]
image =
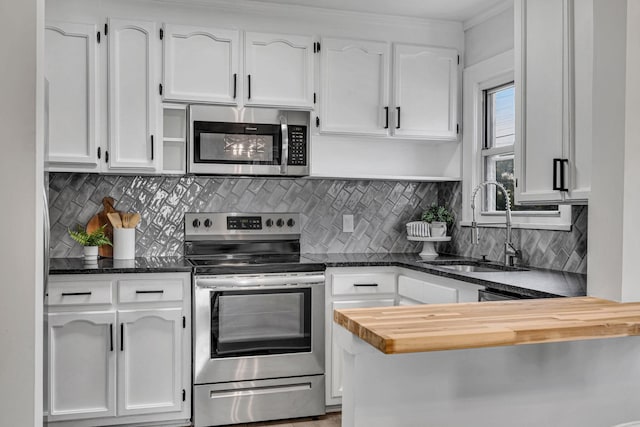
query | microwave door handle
[285, 148]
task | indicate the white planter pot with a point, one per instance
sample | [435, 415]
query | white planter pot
[90, 252]
[438, 229]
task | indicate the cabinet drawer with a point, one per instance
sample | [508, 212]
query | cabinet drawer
[150, 290]
[363, 283]
[79, 293]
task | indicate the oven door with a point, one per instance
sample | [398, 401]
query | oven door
[255, 327]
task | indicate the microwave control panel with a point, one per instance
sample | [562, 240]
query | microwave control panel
[297, 145]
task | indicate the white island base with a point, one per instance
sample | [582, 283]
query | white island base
[591, 383]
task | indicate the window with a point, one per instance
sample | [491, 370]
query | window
[497, 149]
[488, 148]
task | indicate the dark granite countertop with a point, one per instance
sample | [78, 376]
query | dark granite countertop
[537, 283]
[533, 282]
[111, 266]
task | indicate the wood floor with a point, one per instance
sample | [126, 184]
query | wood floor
[330, 420]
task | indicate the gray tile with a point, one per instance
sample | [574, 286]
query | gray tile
[381, 208]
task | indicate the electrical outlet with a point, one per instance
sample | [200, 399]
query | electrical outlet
[347, 223]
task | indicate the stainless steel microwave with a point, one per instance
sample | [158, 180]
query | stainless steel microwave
[248, 141]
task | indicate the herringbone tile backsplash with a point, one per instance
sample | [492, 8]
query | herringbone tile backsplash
[557, 250]
[380, 209]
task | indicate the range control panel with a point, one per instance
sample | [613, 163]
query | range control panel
[212, 224]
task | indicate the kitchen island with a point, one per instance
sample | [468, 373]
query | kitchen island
[467, 365]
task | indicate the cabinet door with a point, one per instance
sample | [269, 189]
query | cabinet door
[334, 374]
[279, 70]
[542, 125]
[423, 292]
[580, 145]
[425, 92]
[82, 365]
[150, 361]
[72, 73]
[134, 100]
[355, 87]
[200, 64]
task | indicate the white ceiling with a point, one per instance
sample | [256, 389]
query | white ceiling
[455, 10]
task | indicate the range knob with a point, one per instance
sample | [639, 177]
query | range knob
[280, 222]
[269, 222]
[196, 223]
[291, 222]
[208, 223]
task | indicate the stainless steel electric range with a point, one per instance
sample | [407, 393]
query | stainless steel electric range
[258, 319]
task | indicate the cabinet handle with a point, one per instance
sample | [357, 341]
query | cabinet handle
[558, 167]
[368, 285]
[121, 336]
[99, 153]
[555, 174]
[249, 80]
[563, 162]
[398, 123]
[235, 82]
[70, 294]
[386, 117]
[151, 147]
[161, 291]
[111, 336]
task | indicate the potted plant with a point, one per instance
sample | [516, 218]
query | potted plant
[90, 241]
[439, 218]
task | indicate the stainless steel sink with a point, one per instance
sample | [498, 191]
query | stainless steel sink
[472, 268]
[464, 266]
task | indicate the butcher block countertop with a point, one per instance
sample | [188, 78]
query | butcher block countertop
[421, 328]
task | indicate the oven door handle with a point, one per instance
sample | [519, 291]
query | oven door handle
[284, 129]
[246, 282]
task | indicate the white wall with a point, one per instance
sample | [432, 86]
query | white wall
[21, 83]
[489, 38]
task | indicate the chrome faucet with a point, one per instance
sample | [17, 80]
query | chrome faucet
[510, 251]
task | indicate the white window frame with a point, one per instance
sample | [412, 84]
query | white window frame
[488, 74]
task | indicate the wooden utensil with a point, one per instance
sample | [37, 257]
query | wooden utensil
[115, 219]
[126, 220]
[100, 219]
[135, 220]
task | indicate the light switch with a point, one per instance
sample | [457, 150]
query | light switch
[347, 223]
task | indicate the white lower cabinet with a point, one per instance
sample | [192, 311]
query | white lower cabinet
[119, 363]
[82, 365]
[415, 287]
[362, 287]
[351, 288]
[149, 361]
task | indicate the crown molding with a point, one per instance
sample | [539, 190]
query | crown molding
[275, 9]
[487, 14]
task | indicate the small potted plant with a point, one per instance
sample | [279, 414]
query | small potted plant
[439, 218]
[90, 241]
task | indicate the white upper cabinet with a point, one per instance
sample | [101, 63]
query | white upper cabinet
[355, 87]
[72, 72]
[278, 70]
[200, 64]
[425, 92]
[554, 75]
[134, 102]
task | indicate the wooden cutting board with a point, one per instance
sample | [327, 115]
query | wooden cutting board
[98, 220]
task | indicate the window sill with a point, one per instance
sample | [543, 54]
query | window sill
[532, 226]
